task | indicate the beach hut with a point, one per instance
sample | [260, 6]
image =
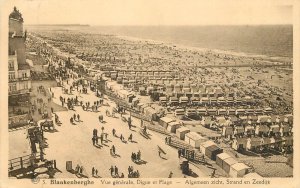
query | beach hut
[240, 112]
[227, 163]
[241, 143]
[150, 112]
[202, 111]
[179, 113]
[204, 101]
[195, 100]
[173, 101]
[255, 142]
[213, 100]
[183, 100]
[173, 126]
[274, 129]
[163, 100]
[164, 121]
[268, 111]
[220, 159]
[194, 139]
[238, 170]
[263, 119]
[222, 112]
[259, 111]
[192, 113]
[212, 111]
[205, 144]
[180, 132]
[230, 112]
[227, 131]
[284, 129]
[142, 91]
[230, 100]
[212, 152]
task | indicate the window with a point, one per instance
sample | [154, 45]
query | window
[11, 64]
[11, 76]
[12, 87]
[25, 85]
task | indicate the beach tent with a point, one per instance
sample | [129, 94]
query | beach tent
[194, 139]
[173, 126]
[212, 151]
[164, 121]
[205, 144]
[180, 132]
[238, 170]
[220, 159]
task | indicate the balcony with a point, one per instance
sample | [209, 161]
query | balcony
[18, 92]
[12, 79]
[24, 79]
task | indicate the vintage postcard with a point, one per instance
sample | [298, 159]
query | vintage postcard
[129, 93]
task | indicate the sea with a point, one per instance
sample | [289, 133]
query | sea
[268, 40]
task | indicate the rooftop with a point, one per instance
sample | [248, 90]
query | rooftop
[15, 14]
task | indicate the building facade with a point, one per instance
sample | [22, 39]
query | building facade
[18, 70]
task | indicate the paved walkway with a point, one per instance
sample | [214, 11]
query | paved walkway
[74, 143]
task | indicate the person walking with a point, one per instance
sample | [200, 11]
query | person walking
[96, 172]
[93, 139]
[179, 153]
[78, 117]
[116, 171]
[101, 138]
[96, 139]
[139, 155]
[114, 132]
[93, 171]
[111, 170]
[130, 138]
[113, 149]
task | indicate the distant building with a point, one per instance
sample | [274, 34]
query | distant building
[19, 70]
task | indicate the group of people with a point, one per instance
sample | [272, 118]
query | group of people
[78, 170]
[94, 172]
[95, 137]
[73, 118]
[136, 157]
[114, 172]
[132, 173]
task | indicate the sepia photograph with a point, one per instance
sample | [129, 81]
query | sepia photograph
[118, 92]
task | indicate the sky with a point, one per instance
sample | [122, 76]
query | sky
[152, 12]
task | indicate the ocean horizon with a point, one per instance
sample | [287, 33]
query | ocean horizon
[257, 40]
[268, 40]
